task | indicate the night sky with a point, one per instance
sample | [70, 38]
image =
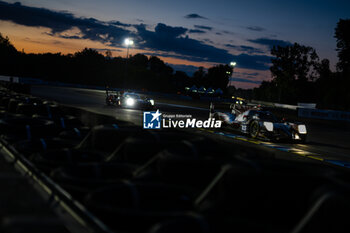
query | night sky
[185, 34]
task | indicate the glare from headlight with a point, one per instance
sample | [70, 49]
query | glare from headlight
[268, 126]
[152, 102]
[130, 101]
[302, 129]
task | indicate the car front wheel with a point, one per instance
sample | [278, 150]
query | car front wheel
[254, 129]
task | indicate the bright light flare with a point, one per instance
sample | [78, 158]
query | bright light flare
[130, 101]
[232, 63]
[128, 42]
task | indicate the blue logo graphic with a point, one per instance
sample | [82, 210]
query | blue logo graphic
[152, 120]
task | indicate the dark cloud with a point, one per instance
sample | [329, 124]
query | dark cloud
[196, 31]
[256, 28]
[250, 74]
[257, 62]
[59, 22]
[165, 54]
[165, 31]
[177, 45]
[245, 80]
[184, 47]
[188, 69]
[244, 48]
[108, 49]
[180, 44]
[218, 33]
[67, 37]
[194, 16]
[225, 32]
[271, 42]
[118, 23]
[208, 41]
[203, 27]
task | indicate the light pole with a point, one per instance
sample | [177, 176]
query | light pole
[233, 64]
[127, 42]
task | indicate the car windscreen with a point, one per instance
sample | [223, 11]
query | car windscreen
[267, 116]
[134, 96]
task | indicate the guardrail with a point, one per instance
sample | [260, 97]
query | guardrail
[324, 114]
[287, 106]
[9, 79]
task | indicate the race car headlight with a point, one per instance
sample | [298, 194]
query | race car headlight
[302, 129]
[152, 102]
[130, 101]
[268, 126]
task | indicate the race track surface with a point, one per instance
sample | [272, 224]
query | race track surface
[325, 143]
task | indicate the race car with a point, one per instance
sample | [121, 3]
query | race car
[261, 124]
[128, 100]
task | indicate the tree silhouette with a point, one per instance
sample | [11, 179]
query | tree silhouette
[108, 54]
[158, 66]
[139, 60]
[6, 48]
[292, 69]
[181, 80]
[218, 76]
[341, 92]
[199, 77]
[8, 54]
[342, 33]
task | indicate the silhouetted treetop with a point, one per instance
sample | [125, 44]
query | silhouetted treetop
[218, 76]
[342, 33]
[295, 62]
[6, 48]
[88, 54]
[139, 60]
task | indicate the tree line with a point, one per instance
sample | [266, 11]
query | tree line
[90, 67]
[298, 75]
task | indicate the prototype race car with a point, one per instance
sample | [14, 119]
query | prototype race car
[128, 100]
[261, 124]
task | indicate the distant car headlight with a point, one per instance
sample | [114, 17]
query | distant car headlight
[302, 129]
[130, 101]
[152, 102]
[268, 126]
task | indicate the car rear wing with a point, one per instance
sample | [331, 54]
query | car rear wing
[233, 108]
[112, 92]
[220, 107]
